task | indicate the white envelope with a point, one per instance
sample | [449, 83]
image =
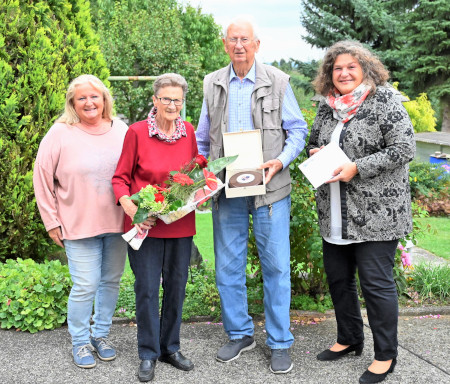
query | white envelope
[319, 167]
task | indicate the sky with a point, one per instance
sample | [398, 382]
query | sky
[278, 21]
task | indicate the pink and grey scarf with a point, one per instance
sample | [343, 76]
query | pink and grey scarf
[345, 106]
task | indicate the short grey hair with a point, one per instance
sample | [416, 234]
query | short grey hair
[170, 80]
[243, 19]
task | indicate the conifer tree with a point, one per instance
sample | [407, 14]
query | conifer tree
[427, 53]
[43, 45]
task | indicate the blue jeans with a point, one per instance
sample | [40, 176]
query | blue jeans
[96, 266]
[167, 258]
[271, 230]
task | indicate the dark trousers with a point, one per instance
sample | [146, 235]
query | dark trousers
[374, 261]
[156, 258]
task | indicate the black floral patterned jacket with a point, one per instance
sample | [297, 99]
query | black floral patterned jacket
[376, 203]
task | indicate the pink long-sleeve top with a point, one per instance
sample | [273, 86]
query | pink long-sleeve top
[72, 180]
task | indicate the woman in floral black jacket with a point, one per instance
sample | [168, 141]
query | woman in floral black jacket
[365, 208]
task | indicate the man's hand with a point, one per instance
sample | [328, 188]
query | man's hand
[271, 167]
[56, 235]
[344, 173]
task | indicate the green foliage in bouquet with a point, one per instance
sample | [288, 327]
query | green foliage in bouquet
[43, 45]
[33, 296]
[181, 185]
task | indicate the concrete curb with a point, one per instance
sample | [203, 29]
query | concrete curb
[403, 311]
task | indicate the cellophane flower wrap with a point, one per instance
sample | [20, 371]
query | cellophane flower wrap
[192, 185]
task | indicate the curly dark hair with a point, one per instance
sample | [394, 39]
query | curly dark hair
[373, 69]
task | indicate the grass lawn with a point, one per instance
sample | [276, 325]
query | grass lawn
[204, 237]
[438, 240]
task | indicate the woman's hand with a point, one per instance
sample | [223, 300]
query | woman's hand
[314, 150]
[130, 209]
[344, 173]
[128, 206]
[146, 225]
[56, 235]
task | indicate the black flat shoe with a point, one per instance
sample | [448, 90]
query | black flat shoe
[178, 361]
[370, 377]
[328, 355]
[146, 370]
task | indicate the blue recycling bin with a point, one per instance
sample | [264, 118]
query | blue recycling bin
[438, 158]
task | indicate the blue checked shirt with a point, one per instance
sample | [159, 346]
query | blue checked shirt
[240, 117]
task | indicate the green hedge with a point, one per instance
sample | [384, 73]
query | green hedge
[43, 45]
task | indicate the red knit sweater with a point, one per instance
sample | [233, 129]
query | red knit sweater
[148, 160]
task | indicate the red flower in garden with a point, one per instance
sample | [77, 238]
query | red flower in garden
[201, 161]
[182, 179]
[211, 179]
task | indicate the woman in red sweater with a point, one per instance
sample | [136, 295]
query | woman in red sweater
[152, 148]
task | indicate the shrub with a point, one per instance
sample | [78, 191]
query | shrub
[43, 45]
[307, 272]
[421, 114]
[431, 281]
[126, 303]
[202, 298]
[33, 296]
[321, 303]
[429, 187]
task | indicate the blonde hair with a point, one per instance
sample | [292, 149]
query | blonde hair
[69, 115]
[373, 69]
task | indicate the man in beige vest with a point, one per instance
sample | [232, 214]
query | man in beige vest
[243, 96]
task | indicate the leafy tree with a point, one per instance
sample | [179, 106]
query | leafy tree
[43, 45]
[202, 31]
[150, 38]
[141, 38]
[301, 75]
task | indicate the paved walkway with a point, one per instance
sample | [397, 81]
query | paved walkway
[45, 357]
[424, 353]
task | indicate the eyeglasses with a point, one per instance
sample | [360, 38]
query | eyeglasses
[243, 40]
[168, 100]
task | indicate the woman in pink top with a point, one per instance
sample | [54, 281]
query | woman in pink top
[72, 182]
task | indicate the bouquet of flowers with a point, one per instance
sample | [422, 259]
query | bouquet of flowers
[185, 189]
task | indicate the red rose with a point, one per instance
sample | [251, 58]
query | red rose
[201, 161]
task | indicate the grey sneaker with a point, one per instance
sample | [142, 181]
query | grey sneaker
[280, 361]
[82, 356]
[104, 349]
[232, 350]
